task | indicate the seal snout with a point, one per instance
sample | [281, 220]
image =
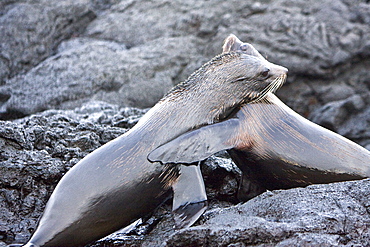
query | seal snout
[279, 70]
[284, 70]
[278, 77]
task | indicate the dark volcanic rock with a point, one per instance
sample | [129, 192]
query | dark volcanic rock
[348, 117]
[31, 30]
[37, 151]
[101, 70]
[319, 215]
[308, 37]
[324, 44]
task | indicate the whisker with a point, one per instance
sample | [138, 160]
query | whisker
[272, 87]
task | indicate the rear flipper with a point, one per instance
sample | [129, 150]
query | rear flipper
[189, 197]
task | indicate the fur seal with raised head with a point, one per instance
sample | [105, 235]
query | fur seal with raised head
[116, 184]
[275, 147]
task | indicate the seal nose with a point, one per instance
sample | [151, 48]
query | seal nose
[280, 70]
[277, 69]
[283, 70]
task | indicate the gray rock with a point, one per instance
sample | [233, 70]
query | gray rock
[222, 177]
[100, 70]
[31, 30]
[320, 40]
[349, 117]
[334, 92]
[319, 215]
[37, 151]
[308, 37]
[307, 94]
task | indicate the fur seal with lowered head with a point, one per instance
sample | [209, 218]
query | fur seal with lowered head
[274, 147]
[116, 184]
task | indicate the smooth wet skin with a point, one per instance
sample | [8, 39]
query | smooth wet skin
[116, 184]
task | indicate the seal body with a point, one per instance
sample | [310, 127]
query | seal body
[275, 147]
[116, 184]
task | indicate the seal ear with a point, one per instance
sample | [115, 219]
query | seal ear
[231, 43]
[197, 145]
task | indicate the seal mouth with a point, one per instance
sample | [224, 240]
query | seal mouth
[272, 87]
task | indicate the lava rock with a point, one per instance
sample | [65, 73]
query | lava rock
[320, 215]
[100, 70]
[37, 151]
[324, 45]
[349, 117]
[31, 30]
[308, 37]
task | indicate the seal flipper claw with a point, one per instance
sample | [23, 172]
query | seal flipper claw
[186, 215]
[196, 145]
[189, 196]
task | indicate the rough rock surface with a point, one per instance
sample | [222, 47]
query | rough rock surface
[31, 30]
[58, 55]
[93, 69]
[37, 151]
[319, 215]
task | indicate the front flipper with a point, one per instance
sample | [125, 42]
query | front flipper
[189, 196]
[197, 145]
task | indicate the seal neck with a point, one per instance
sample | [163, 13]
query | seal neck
[171, 118]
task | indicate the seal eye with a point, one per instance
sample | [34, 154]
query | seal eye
[244, 47]
[265, 73]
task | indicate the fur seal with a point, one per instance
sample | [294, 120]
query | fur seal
[275, 147]
[116, 184]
